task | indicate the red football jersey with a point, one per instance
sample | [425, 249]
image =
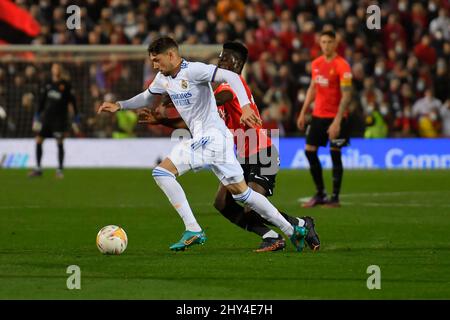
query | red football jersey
[328, 78]
[231, 113]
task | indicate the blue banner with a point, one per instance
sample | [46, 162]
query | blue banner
[373, 154]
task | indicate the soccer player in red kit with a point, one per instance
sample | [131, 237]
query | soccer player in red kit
[330, 89]
[256, 154]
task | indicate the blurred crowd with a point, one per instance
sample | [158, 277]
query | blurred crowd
[400, 72]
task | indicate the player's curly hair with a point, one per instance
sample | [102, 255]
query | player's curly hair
[161, 45]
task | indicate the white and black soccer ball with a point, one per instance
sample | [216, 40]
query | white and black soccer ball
[112, 240]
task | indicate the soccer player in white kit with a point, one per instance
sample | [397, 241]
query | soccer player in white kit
[189, 86]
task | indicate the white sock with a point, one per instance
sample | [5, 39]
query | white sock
[270, 234]
[265, 209]
[173, 190]
[301, 222]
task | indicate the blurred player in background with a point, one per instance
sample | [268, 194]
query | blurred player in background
[51, 118]
[330, 89]
[253, 156]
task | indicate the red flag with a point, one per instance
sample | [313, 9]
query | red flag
[16, 24]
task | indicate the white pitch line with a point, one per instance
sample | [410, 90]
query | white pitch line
[414, 205]
[395, 193]
[19, 207]
[379, 194]
[376, 194]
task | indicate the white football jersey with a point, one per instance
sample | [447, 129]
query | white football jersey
[192, 95]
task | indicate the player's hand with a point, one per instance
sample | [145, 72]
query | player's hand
[37, 126]
[249, 117]
[76, 128]
[108, 107]
[334, 129]
[301, 121]
[149, 116]
[76, 124]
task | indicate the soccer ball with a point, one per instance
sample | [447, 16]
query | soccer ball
[112, 240]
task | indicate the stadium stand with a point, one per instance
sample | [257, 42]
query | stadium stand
[401, 72]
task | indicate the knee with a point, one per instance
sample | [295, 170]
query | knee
[159, 172]
[310, 149]
[310, 154]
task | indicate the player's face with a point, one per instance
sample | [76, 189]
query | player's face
[155, 67]
[56, 70]
[228, 61]
[328, 45]
[162, 62]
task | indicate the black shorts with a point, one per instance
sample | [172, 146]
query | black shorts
[262, 168]
[53, 129]
[317, 135]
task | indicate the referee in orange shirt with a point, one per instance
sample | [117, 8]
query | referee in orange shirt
[330, 89]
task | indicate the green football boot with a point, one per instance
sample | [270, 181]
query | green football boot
[188, 239]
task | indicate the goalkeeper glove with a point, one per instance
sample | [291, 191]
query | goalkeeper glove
[37, 125]
[76, 124]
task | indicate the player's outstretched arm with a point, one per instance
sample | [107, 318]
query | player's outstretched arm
[139, 101]
[108, 107]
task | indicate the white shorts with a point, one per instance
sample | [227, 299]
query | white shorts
[215, 152]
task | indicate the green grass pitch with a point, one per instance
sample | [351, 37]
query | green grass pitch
[398, 220]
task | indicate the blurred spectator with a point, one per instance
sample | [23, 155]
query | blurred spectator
[419, 17]
[394, 97]
[426, 111]
[425, 52]
[358, 76]
[255, 48]
[405, 124]
[264, 70]
[393, 32]
[440, 26]
[445, 115]
[371, 96]
[226, 8]
[392, 68]
[131, 26]
[99, 125]
[441, 80]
